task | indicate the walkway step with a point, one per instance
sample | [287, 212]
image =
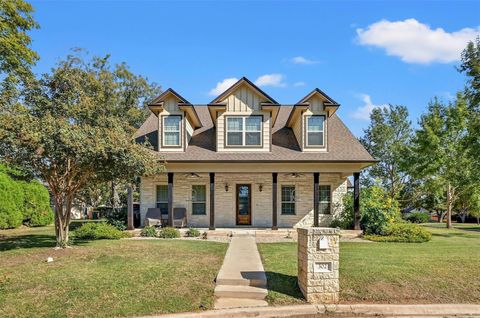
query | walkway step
[241, 281]
[224, 303]
[231, 291]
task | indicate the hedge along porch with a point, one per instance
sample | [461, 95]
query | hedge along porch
[261, 200]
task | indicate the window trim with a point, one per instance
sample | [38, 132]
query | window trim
[180, 127]
[294, 199]
[244, 131]
[156, 197]
[324, 131]
[331, 198]
[205, 202]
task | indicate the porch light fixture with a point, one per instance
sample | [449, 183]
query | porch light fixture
[260, 187]
[226, 187]
[294, 175]
[192, 175]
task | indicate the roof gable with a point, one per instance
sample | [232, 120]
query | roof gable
[169, 92]
[322, 95]
[220, 98]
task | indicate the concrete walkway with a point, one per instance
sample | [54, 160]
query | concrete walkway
[353, 310]
[241, 281]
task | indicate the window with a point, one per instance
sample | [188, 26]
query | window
[244, 131]
[324, 200]
[162, 198]
[288, 199]
[315, 130]
[171, 130]
[199, 199]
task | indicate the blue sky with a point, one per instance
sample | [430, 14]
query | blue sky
[362, 54]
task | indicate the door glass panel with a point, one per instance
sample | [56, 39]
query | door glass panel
[243, 200]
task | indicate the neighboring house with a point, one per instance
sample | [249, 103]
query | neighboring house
[246, 160]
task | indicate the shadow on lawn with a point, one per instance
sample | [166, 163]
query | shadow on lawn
[26, 241]
[33, 241]
[284, 284]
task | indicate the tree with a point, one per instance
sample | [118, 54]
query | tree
[440, 148]
[16, 57]
[75, 129]
[471, 67]
[387, 138]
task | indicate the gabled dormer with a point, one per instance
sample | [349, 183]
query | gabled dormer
[309, 120]
[177, 119]
[244, 116]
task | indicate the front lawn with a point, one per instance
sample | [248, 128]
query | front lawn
[104, 278]
[444, 270]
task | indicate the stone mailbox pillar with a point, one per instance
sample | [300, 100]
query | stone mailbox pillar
[318, 264]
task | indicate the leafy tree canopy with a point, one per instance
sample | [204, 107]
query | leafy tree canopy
[75, 129]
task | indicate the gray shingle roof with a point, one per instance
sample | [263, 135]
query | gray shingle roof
[342, 145]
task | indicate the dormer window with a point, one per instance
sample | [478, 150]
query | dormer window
[244, 131]
[315, 131]
[172, 131]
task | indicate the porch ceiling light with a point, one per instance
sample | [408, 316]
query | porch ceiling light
[294, 175]
[192, 175]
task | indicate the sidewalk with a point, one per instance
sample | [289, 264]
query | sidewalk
[353, 310]
[241, 281]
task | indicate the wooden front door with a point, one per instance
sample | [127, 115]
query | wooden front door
[244, 204]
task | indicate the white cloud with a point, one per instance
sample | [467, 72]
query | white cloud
[363, 112]
[223, 86]
[299, 84]
[275, 80]
[303, 60]
[415, 42]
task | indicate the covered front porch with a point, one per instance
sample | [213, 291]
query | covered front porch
[249, 199]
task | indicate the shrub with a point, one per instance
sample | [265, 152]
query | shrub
[345, 219]
[99, 231]
[117, 218]
[36, 208]
[402, 232]
[148, 231]
[192, 233]
[418, 217]
[377, 210]
[11, 202]
[169, 232]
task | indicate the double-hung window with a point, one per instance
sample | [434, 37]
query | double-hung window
[244, 131]
[288, 199]
[162, 198]
[171, 130]
[324, 199]
[199, 199]
[316, 130]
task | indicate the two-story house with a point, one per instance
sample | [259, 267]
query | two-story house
[246, 160]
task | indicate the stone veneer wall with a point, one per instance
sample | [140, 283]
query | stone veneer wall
[318, 264]
[225, 204]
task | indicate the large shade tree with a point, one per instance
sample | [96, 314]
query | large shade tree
[441, 150]
[74, 128]
[16, 56]
[387, 138]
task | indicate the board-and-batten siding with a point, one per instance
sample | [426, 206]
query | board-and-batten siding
[243, 101]
[170, 107]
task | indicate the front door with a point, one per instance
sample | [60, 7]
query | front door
[244, 204]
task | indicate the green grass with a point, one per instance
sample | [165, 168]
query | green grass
[460, 226]
[104, 278]
[444, 270]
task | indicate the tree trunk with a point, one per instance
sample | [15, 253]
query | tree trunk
[63, 205]
[440, 216]
[449, 206]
